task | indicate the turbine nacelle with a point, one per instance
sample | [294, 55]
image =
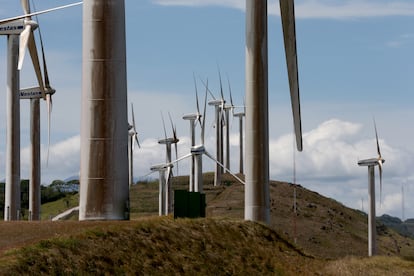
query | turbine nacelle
[161, 167]
[169, 141]
[191, 116]
[239, 114]
[199, 149]
[13, 27]
[371, 162]
[216, 102]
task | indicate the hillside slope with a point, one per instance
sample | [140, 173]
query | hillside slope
[164, 246]
[317, 240]
[322, 226]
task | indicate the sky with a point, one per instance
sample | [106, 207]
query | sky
[356, 62]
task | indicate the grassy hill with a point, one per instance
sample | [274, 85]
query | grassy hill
[318, 240]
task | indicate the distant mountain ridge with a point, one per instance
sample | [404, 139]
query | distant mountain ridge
[405, 228]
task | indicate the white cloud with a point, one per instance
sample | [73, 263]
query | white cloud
[333, 9]
[328, 164]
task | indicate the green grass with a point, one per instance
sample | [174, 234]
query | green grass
[51, 209]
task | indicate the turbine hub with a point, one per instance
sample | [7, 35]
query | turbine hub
[32, 23]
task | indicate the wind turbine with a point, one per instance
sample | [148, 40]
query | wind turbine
[133, 139]
[19, 31]
[371, 163]
[219, 105]
[192, 118]
[164, 170]
[257, 199]
[104, 193]
[35, 94]
[197, 152]
[167, 197]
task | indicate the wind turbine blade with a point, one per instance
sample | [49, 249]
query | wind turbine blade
[174, 130]
[181, 158]
[10, 19]
[287, 12]
[24, 40]
[25, 6]
[167, 178]
[231, 97]
[203, 127]
[225, 169]
[196, 91]
[172, 127]
[35, 60]
[206, 86]
[136, 139]
[135, 135]
[133, 116]
[376, 137]
[163, 125]
[45, 72]
[221, 85]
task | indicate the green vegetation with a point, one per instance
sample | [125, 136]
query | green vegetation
[58, 189]
[51, 209]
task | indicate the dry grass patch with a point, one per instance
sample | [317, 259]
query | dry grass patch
[166, 246]
[379, 265]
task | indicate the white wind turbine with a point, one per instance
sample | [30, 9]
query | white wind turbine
[35, 94]
[168, 141]
[133, 139]
[193, 118]
[163, 170]
[197, 152]
[371, 163]
[19, 31]
[219, 107]
[257, 199]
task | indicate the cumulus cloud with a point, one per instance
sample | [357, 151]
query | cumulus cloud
[328, 164]
[333, 9]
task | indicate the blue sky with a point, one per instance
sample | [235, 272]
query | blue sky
[356, 61]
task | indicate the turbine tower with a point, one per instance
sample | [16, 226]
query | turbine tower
[257, 199]
[19, 33]
[104, 192]
[371, 163]
[240, 115]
